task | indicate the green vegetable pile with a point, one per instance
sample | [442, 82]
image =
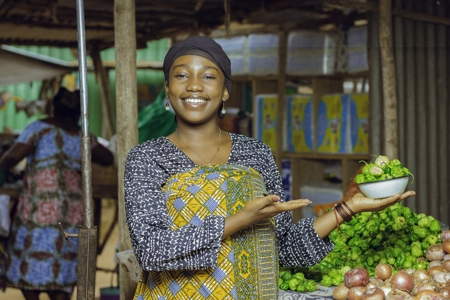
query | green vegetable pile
[396, 235]
[381, 169]
[296, 280]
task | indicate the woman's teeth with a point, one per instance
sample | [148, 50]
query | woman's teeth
[195, 101]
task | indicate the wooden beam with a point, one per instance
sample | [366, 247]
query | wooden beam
[389, 79]
[127, 129]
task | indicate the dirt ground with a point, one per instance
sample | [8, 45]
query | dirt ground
[104, 261]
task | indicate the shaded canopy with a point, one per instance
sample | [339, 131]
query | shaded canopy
[21, 66]
[53, 22]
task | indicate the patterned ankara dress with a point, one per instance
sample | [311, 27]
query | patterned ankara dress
[39, 258]
[175, 213]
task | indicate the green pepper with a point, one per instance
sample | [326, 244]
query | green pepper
[370, 178]
[416, 250]
[421, 232]
[375, 170]
[326, 281]
[425, 244]
[360, 178]
[293, 283]
[387, 170]
[366, 169]
[395, 162]
[286, 276]
[400, 259]
[385, 176]
[284, 286]
[382, 161]
[435, 227]
[432, 239]
[299, 276]
[424, 222]
[406, 264]
[311, 286]
[391, 261]
[280, 281]
[397, 171]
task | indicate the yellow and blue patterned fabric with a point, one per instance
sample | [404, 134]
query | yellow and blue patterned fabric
[247, 265]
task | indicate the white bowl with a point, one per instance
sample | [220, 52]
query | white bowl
[384, 188]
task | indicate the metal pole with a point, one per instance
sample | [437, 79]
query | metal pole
[87, 249]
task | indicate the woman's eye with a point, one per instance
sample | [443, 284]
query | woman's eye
[209, 77]
[181, 76]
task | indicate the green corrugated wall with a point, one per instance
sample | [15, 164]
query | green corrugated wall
[155, 51]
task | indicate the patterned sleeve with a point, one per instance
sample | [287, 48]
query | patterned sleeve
[29, 136]
[157, 247]
[298, 244]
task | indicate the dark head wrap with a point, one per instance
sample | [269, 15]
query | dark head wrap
[202, 46]
[67, 103]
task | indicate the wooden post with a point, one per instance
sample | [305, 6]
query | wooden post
[126, 102]
[389, 80]
[101, 76]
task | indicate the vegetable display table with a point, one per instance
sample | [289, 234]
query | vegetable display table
[321, 294]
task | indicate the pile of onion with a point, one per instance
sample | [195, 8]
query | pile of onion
[433, 283]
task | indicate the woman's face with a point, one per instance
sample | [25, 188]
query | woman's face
[196, 88]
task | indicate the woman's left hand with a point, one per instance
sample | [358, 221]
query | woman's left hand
[360, 203]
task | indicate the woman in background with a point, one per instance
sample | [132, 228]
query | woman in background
[39, 260]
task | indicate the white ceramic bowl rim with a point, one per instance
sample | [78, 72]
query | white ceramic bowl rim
[384, 180]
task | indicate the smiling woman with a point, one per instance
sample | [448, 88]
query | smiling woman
[205, 208]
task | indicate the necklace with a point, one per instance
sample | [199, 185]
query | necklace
[217, 149]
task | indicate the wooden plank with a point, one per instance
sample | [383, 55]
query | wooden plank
[127, 129]
[388, 79]
[376, 134]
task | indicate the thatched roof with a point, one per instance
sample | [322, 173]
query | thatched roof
[54, 22]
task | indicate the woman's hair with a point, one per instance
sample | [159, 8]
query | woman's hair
[67, 103]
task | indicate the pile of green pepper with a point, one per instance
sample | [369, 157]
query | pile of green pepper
[295, 280]
[396, 235]
[381, 169]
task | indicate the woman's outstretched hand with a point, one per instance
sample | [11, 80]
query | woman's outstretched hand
[259, 209]
[360, 203]
[270, 206]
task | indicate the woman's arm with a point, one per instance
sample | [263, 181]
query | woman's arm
[326, 223]
[15, 154]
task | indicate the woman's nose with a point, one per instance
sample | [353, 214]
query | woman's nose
[195, 85]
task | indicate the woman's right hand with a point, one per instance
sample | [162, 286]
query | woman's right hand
[259, 209]
[270, 206]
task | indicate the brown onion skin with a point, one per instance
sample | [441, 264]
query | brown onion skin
[420, 275]
[445, 235]
[445, 292]
[383, 271]
[446, 246]
[427, 284]
[356, 277]
[373, 294]
[434, 263]
[446, 265]
[435, 252]
[427, 295]
[356, 292]
[398, 295]
[435, 270]
[340, 292]
[402, 281]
